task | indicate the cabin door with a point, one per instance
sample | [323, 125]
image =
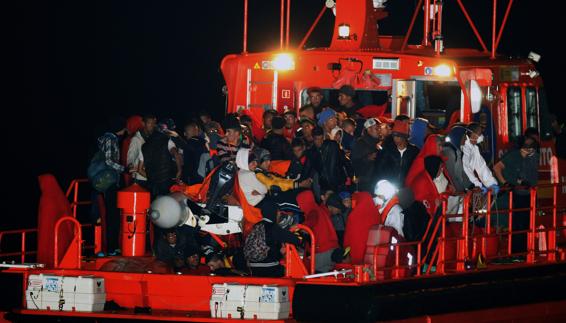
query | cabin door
[403, 98]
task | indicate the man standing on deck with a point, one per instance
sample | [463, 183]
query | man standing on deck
[135, 150]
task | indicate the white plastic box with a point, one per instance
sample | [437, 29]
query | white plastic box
[268, 302]
[65, 293]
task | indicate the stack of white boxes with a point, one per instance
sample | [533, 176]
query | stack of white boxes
[65, 293]
[267, 302]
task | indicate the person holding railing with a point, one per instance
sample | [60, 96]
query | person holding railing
[518, 170]
[474, 163]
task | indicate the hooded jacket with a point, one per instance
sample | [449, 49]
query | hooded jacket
[430, 148]
[247, 179]
[425, 191]
[363, 216]
[318, 219]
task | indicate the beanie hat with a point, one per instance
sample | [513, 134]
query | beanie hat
[325, 115]
[345, 195]
[400, 128]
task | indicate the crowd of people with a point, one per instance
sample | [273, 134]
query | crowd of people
[344, 174]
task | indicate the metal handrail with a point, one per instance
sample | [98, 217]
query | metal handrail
[78, 235]
[23, 251]
[438, 254]
[308, 230]
[72, 191]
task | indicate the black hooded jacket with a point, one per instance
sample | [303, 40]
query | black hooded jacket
[331, 164]
[392, 167]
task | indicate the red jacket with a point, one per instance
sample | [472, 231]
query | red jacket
[318, 219]
[363, 216]
[425, 192]
[430, 148]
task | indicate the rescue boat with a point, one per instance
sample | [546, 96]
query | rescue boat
[62, 279]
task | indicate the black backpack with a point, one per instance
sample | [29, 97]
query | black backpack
[158, 161]
[100, 175]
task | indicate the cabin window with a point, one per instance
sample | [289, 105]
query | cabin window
[532, 111]
[514, 115]
[544, 115]
[363, 97]
[436, 101]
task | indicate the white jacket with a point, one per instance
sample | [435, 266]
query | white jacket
[473, 163]
[135, 155]
[394, 218]
[247, 180]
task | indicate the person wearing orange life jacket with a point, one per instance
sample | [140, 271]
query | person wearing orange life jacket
[327, 249]
[431, 147]
[429, 184]
[363, 216]
[388, 203]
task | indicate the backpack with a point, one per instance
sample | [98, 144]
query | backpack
[255, 247]
[158, 162]
[100, 175]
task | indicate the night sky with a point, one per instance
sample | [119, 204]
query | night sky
[86, 61]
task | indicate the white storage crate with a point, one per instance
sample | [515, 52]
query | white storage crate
[65, 293]
[249, 301]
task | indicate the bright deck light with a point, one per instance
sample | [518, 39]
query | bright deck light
[442, 70]
[284, 62]
[344, 31]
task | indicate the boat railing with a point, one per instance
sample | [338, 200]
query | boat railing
[294, 263]
[474, 235]
[27, 238]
